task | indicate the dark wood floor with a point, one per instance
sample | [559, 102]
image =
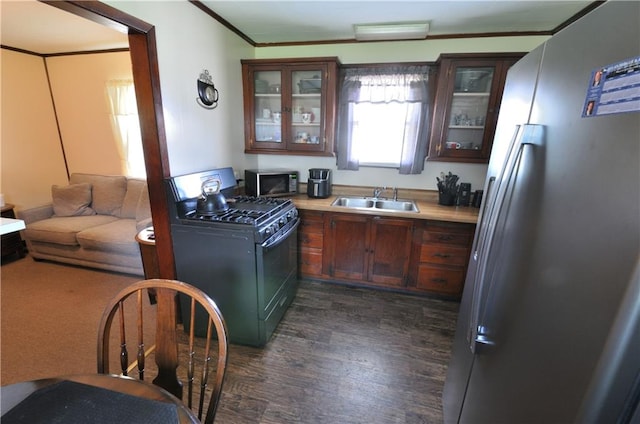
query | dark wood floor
[345, 355]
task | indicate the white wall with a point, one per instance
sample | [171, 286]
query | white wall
[188, 41]
[379, 52]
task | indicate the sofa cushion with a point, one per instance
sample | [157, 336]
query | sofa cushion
[132, 197]
[116, 236]
[63, 230]
[72, 200]
[108, 191]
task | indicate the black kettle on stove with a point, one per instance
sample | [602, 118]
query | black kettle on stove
[212, 201]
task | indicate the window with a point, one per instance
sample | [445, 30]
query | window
[383, 118]
[124, 114]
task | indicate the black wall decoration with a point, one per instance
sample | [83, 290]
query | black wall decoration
[207, 92]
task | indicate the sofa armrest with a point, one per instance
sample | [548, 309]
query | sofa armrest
[36, 214]
[144, 223]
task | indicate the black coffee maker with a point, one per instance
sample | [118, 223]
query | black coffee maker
[319, 183]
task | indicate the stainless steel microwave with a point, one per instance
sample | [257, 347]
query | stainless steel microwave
[270, 183]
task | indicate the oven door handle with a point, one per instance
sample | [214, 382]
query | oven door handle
[271, 243]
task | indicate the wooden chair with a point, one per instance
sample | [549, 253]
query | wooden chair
[167, 336]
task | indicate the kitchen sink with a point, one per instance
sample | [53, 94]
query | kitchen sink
[374, 203]
[353, 202]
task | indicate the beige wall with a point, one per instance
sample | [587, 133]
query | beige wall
[78, 83]
[32, 153]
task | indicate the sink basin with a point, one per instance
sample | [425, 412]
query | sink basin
[397, 205]
[353, 202]
[380, 204]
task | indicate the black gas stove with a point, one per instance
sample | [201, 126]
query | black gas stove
[264, 214]
[244, 258]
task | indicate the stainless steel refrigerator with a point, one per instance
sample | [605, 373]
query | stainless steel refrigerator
[549, 324]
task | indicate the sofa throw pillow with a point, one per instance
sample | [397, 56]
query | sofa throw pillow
[107, 191]
[72, 200]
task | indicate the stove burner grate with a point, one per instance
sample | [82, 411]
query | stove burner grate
[255, 211]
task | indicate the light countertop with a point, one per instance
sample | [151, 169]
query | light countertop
[10, 225]
[426, 200]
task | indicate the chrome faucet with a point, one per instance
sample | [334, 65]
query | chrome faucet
[395, 194]
[377, 191]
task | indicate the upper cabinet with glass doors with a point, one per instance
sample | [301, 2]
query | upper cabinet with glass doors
[290, 105]
[466, 107]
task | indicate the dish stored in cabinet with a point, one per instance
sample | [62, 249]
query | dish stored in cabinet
[310, 86]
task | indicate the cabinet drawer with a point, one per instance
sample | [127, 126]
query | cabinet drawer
[441, 254]
[310, 262]
[440, 279]
[459, 238]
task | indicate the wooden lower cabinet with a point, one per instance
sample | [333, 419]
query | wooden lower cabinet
[311, 239]
[411, 255]
[373, 250]
[440, 256]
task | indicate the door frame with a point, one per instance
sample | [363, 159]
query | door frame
[146, 77]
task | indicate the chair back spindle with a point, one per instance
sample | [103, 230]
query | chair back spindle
[166, 347]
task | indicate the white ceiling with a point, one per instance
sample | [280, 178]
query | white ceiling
[294, 21]
[40, 28]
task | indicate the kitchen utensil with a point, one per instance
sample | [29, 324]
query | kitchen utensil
[447, 189]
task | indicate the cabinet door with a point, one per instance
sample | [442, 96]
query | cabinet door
[289, 105]
[390, 251]
[266, 112]
[306, 123]
[348, 246]
[311, 237]
[466, 110]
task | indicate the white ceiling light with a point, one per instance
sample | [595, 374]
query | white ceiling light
[405, 31]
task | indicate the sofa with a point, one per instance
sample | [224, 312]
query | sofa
[91, 222]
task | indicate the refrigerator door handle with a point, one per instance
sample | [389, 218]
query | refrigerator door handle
[525, 135]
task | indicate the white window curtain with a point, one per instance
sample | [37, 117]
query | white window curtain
[400, 90]
[124, 117]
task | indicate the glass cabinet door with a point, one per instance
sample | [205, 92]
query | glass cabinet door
[290, 105]
[469, 106]
[306, 107]
[268, 106]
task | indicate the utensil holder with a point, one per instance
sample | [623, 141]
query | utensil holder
[446, 198]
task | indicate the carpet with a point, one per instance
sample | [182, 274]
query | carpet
[49, 316]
